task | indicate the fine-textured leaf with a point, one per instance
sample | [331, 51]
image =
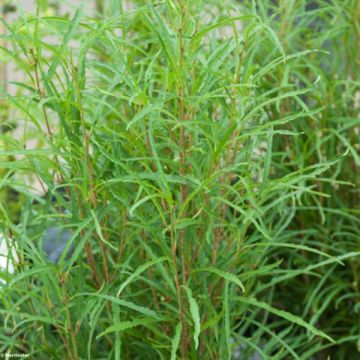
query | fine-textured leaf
[175, 341]
[286, 315]
[195, 314]
[226, 275]
[139, 271]
[124, 325]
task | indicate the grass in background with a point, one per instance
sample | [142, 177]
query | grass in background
[205, 156]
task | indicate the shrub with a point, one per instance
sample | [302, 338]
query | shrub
[203, 157]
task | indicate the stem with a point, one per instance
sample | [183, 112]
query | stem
[68, 315]
[233, 147]
[35, 63]
[177, 285]
[183, 144]
[93, 196]
[87, 246]
[40, 92]
[182, 171]
[3, 65]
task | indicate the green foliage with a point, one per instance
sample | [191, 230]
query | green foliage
[205, 156]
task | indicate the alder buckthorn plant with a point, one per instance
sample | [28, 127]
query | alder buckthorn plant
[180, 179]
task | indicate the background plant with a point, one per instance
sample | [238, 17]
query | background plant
[204, 155]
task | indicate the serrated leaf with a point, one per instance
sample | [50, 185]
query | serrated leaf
[226, 275]
[176, 341]
[287, 316]
[195, 314]
[139, 271]
[124, 325]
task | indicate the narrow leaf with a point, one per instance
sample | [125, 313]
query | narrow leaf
[285, 315]
[194, 311]
[175, 341]
[226, 275]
